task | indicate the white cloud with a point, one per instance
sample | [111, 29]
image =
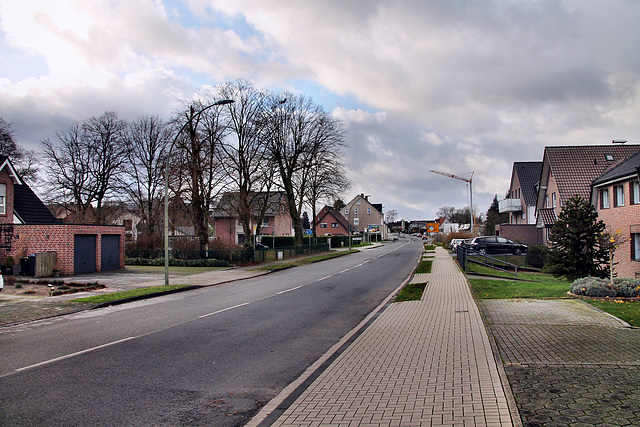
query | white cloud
[455, 86]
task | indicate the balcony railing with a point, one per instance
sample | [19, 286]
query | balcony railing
[510, 205]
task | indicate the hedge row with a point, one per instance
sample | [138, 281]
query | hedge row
[173, 262]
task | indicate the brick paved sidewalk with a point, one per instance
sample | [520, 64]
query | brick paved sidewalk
[422, 363]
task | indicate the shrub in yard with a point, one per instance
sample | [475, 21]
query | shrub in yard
[597, 287]
[158, 262]
[537, 256]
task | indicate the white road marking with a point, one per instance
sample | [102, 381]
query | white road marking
[289, 290]
[223, 310]
[68, 356]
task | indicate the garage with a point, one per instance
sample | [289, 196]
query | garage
[110, 257]
[84, 253]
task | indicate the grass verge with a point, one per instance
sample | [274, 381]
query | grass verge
[411, 292]
[424, 267]
[629, 311]
[307, 260]
[115, 296]
[534, 285]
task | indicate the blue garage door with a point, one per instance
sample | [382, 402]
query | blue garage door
[110, 252]
[84, 253]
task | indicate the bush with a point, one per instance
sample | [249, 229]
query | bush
[597, 287]
[173, 262]
[537, 256]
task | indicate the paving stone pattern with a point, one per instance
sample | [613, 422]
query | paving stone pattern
[423, 363]
[567, 363]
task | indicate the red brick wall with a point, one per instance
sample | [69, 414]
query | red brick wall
[29, 239]
[622, 218]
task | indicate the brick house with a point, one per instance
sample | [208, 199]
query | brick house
[568, 171]
[28, 228]
[330, 221]
[276, 220]
[364, 216]
[616, 196]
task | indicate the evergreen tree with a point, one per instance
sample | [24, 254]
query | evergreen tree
[494, 217]
[578, 248]
[306, 225]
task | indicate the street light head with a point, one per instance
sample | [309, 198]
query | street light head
[224, 101]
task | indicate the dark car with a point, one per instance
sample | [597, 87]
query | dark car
[495, 245]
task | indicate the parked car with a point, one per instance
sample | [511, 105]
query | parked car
[495, 245]
[453, 244]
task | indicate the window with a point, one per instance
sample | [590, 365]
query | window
[604, 198]
[3, 199]
[634, 190]
[618, 195]
[609, 157]
[635, 246]
[128, 224]
[355, 211]
[546, 201]
[265, 222]
[553, 200]
[368, 211]
[323, 225]
[358, 203]
[356, 221]
[334, 225]
[346, 211]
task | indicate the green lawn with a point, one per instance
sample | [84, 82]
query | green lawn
[530, 285]
[540, 286]
[424, 267]
[411, 292]
[627, 311]
[97, 299]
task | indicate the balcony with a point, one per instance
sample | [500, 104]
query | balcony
[510, 205]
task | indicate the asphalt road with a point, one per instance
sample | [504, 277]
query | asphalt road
[212, 356]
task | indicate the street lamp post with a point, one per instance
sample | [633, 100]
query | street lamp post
[166, 185]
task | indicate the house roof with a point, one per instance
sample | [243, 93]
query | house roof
[27, 207]
[625, 169]
[328, 210]
[575, 167]
[547, 216]
[528, 176]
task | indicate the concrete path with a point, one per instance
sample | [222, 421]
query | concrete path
[420, 363]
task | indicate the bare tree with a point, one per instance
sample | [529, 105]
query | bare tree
[108, 152]
[390, 216]
[67, 168]
[197, 148]
[327, 180]
[148, 138]
[298, 133]
[84, 162]
[25, 161]
[245, 156]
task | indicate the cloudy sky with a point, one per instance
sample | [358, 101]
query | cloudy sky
[457, 86]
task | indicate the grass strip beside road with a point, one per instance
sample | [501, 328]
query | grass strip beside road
[134, 293]
[411, 292]
[424, 267]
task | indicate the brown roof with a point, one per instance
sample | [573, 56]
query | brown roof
[328, 210]
[575, 167]
[547, 215]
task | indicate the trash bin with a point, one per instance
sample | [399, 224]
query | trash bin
[28, 266]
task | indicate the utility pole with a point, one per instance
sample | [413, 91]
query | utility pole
[470, 181]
